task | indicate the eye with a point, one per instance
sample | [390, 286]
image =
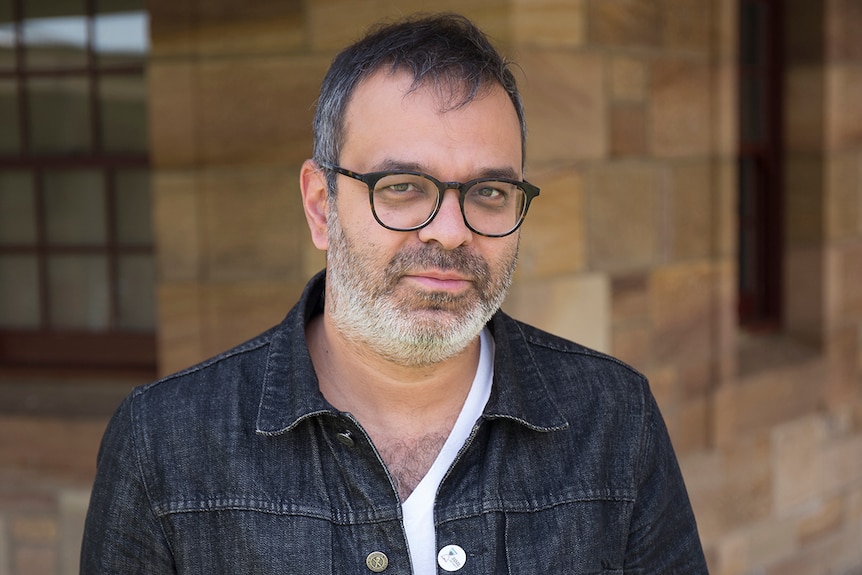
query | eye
[399, 187]
[489, 192]
[403, 189]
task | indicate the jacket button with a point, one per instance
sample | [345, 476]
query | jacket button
[345, 438]
[377, 561]
[451, 558]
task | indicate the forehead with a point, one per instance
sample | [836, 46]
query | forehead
[387, 116]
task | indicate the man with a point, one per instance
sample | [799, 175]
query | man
[397, 421]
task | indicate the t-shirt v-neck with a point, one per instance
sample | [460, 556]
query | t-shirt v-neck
[418, 509]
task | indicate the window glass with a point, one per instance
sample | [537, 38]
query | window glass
[136, 293]
[76, 236]
[17, 209]
[55, 42]
[134, 223]
[124, 113]
[5, 12]
[752, 26]
[79, 292]
[7, 36]
[59, 115]
[751, 109]
[121, 37]
[10, 140]
[19, 292]
[75, 208]
[112, 6]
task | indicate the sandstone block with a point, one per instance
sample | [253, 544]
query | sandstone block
[804, 92]
[252, 224]
[687, 26]
[843, 195]
[257, 110]
[630, 298]
[549, 22]
[796, 448]
[180, 311]
[844, 84]
[553, 237]
[565, 103]
[695, 219]
[681, 108]
[628, 130]
[625, 23]
[624, 216]
[628, 79]
[172, 113]
[576, 307]
[681, 308]
[176, 213]
[843, 21]
[235, 312]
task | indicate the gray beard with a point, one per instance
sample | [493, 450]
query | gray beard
[417, 329]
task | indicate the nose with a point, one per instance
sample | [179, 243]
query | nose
[448, 228]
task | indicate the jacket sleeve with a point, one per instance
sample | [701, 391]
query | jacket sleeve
[122, 533]
[663, 537]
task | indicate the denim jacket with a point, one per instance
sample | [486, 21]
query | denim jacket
[240, 466]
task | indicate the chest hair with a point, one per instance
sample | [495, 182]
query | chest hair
[409, 460]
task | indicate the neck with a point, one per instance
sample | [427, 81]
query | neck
[387, 398]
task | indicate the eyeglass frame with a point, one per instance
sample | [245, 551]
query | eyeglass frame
[370, 179]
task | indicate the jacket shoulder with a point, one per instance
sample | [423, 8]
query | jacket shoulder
[554, 348]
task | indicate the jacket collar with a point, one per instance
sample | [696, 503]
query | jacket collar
[291, 394]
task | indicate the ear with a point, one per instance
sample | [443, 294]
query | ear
[315, 198]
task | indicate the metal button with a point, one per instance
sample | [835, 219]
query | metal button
[451, 558]
[377, 561]
[345, 438]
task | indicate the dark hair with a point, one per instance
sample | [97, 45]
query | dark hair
[444, 51]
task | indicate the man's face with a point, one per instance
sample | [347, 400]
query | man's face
[420, 297]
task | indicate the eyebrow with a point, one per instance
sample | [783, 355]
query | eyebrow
[389, 165]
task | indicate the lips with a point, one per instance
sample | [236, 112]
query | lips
[440, 275]
[440, 280]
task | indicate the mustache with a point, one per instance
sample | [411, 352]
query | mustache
[427, 256]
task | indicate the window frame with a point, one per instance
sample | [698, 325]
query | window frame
[761, 188]
[47, 346]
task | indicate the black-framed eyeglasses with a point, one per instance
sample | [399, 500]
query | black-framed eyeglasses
[406, 201]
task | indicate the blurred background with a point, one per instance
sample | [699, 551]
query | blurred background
[701, 218]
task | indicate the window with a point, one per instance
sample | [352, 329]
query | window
[76, 247]
[760, 165]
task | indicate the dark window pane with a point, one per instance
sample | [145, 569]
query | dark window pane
[134, 222]
[59, 115]
[17, 209]
[137, 293]
[113, 6]
[53, 8]
[752, 34]
[124, 113]
[75, 208]
[751, 109]
[19, 292]
[5, 11]
[10, 140]
[7, 36]
[79, 292]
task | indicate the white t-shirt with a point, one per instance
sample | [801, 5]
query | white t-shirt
[419, 507]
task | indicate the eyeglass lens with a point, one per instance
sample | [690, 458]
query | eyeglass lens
[405, 201]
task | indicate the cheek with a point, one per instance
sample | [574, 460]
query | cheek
[500, 253]
[368, 243]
